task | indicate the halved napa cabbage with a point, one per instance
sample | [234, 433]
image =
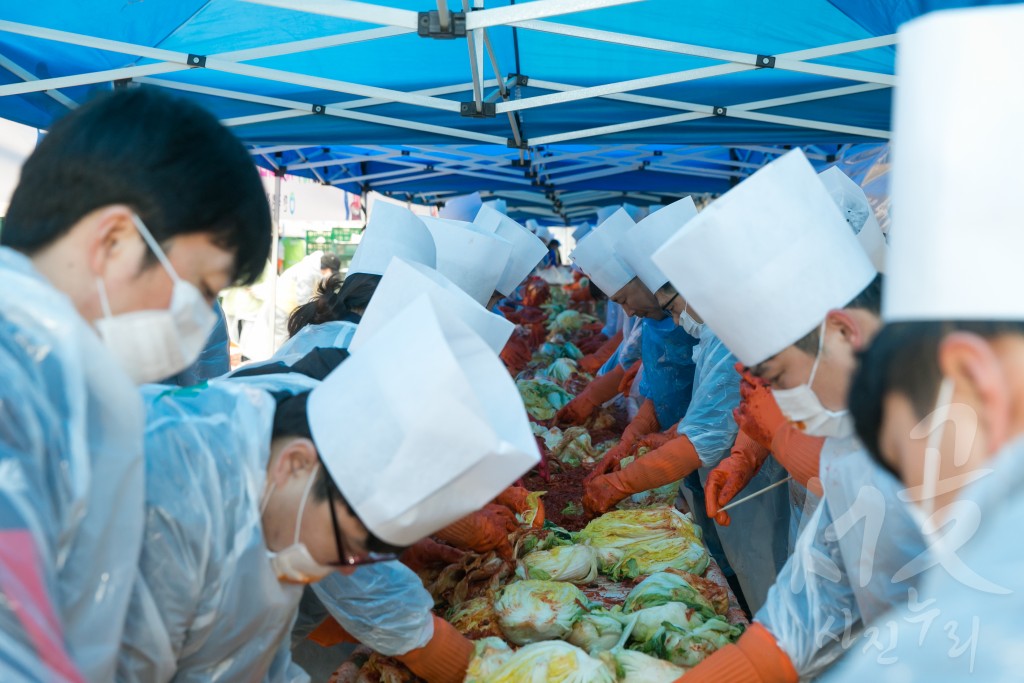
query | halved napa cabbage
[636, 667]
[650, 620]
[573, 563]
[650, 541]
[531, 611]
[689, 647]
[665, 587]
[489, 655]
[552, 662]
[597, 631]
[542, 398]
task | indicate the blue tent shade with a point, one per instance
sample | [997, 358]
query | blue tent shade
[410, 63]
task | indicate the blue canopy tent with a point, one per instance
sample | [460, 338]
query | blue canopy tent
[545, 98]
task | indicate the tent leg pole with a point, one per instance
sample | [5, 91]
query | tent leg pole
[275, 256]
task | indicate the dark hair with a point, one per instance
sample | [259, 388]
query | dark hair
[330, 261]
[596, 292]
[291, 419]
[870, 300]
[336, 299]
[166, 158]
[904, 359]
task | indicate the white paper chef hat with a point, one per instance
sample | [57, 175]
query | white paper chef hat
[392, 231]
[597, 256]
[766, 262]
[469, 256]
[544, 234]
[606, 212]
[582, 231]
[857, 211]
[641, 241]
[958, 137]
[527, 248]
[499, 205]
[421, 426]
[462, 208]
[404, 281]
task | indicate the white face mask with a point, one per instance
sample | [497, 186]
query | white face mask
[152, 345]
[686, 321]
[801, 405]
[294, 564]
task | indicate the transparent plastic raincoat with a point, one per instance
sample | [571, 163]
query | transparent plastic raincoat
[756, 542]
[842, 574]
[71, 486]
[207, 606]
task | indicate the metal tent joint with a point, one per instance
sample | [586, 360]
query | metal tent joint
[196, 61]
[429, 25]
[469, 109]
[512, 144]
[520, 80]
[319, 109]
[719, 111]
[765, 62]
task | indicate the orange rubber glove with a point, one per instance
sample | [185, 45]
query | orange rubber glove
[758, 414]
[429, 553]
[482, 531]
[515, 499]
[668, 464]
[627, 380]
[800, 454]
[645, 422]
[754, 658]
[593, 362]
[656, 440]
[601, 389]
[731, 475]
[442, 660]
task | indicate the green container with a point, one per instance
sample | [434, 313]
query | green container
[294, 250]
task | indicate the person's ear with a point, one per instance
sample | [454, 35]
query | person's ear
[847, 327]
[296, 458]
[980, 381]
[111, 229]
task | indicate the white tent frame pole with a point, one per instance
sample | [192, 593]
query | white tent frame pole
[340, 112]
[262, 118]
[178, 61]
[276, 213]
[568, 180]
[695, 171]
[449, 168]
[443, 15]
[311, 44]
[347, 9]
[739, 111]
[790, 61]
[26, 75]
[620, 87]
[340, 161]
[387, 16]
[275, 148]
[90, 78]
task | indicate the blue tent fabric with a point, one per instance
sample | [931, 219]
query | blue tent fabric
[408, 63]
[885, 16]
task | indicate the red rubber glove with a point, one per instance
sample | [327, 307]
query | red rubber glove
[731, 475]
[592, 363]
[668, 464]
[758, 414]
[428, 553]
[482, 531]
[645, 422]
[442, 660]
[600, 390]
[515, 499]
[516, 354]
[754, 658]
